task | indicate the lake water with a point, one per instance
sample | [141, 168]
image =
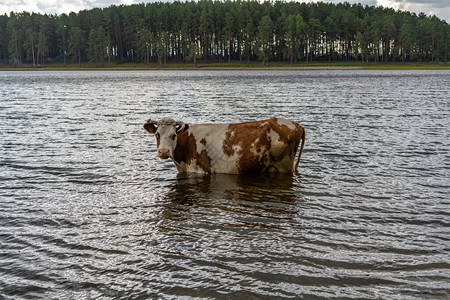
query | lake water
[88, 211]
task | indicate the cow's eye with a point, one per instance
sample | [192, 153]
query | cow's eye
[157, 135]
[173, 136]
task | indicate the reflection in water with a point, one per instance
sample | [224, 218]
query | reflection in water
[265, 192]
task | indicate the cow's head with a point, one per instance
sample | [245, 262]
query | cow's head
[166, 131]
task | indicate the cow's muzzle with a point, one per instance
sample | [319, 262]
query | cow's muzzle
[164, 153]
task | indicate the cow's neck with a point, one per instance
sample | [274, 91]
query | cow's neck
[182, 151]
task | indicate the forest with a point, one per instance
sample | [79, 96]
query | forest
[223, 31]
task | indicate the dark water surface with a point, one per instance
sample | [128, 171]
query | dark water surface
[88, 211]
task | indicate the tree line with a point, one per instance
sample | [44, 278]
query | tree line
[221, 31]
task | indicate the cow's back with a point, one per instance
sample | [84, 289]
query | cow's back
[268, 145]
[250, 147]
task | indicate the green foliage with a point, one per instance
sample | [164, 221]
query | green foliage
[265, 43]
[221, 31]
[77, 43]
[96, 46]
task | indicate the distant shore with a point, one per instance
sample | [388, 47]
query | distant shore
[233, 66]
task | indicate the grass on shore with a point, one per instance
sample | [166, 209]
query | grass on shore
[234, 65]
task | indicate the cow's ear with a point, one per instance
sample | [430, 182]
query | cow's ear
[182, 128]
[151, 128]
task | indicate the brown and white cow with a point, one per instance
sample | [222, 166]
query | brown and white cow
[242, 148]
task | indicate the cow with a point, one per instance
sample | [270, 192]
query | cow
[240, 148]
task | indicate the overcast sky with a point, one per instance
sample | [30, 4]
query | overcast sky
[440, 8]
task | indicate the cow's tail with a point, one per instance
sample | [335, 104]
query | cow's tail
[301, 150]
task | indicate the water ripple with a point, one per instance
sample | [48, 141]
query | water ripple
[88, 211]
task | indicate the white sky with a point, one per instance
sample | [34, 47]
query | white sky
[440, 8]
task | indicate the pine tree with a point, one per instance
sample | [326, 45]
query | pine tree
[265, 39]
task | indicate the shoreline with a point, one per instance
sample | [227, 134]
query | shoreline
[177, 68]
[233, 66]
